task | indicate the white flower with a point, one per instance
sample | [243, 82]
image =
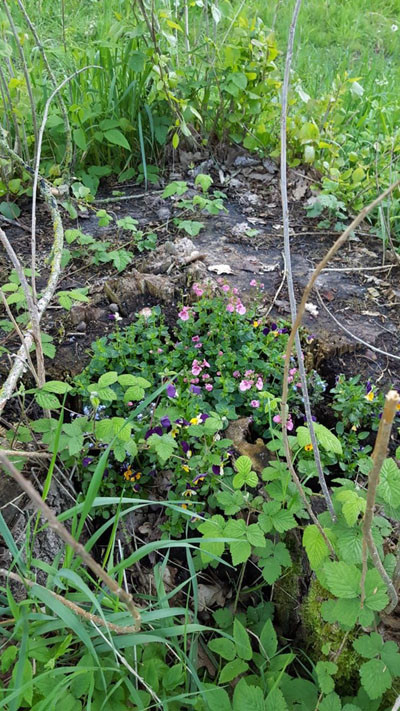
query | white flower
[394, 28]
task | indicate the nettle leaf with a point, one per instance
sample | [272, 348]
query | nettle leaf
[224, 647]
[343, 579]
[389, 483]
[268, 640]
[375, 678]
[325, 671]
[316, 548]
[242, 641]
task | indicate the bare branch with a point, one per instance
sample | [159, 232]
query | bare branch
[77, 547]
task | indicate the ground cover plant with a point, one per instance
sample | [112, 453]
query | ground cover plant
[227, 519]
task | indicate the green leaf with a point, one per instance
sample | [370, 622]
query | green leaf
[117, 138]
[375, 678]
[192, 227]
[136, 61]
[230, 503]
[325, 671]
[243, 465]
[268, 640]
[240, 551]
[173, 677]
[217, 698]
[239, 79]
[8, 657]
[391, 657]
[369, 645]
[56, 386]
[376, 597]
[330, 703]
[107, 379]
[343, 580]
[224, 647]
[80, 138]
[163, 445]
[242, 641]
[352, 507]
[271, 570]
[135, 392]
[275, 701]
[177, 187]
[315, 546]
[389, 483]
[232, 670]
[248, 698]
[120, 258]
[46, 400]
[255, 535]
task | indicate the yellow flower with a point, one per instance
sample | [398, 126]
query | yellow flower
[138, 475]
[354, 428]
[128, 474]
[195, 420]
[184, 506]
[370, 396]
[255, 324]
[398, 406]
[308, 448]
[185, 468]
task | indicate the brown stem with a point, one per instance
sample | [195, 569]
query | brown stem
[79, 549]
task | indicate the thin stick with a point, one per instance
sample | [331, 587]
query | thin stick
[289, 278]
[20, 334]
[378, 455]
[77, 547]
[356, 338]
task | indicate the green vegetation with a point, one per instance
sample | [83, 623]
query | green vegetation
[173, 434]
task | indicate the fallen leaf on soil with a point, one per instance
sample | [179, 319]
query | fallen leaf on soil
[220, 269]
[269, 267]
[300, 190]
[374, 293]
[312, 309]
[203, 660]
[210, 595]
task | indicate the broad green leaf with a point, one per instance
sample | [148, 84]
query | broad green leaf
[242, 641]
[240, 551]
[343, 580]
[389, 483]
[268, 640]
[117, 138]
[255, 536]
[56, 386]
[46, 400]
[135, 392]
[275, 701]
[107, 379]
[369, 645]
[375, 678]
[232, 670]
[217, 698]
[330, 703]
[315, 546]
[224, 647]
[80, 138]
[325, 671]
[248, 698]
[163, 445]
[376, 597]
[271, 570]
[391, 657]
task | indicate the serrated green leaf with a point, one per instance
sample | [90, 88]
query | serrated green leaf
[56, 386]
[330, 703]
[375, 678]
[242, 641]
[255, 536]
[369, 645]
[389, 483]
[268, 640]
[243, 465]
[217, 698]
[315, 546]
[135, 392]
[343, 579]
[325, 671]
[391, 657]
[163, 445]
[271, 570]
[248, 698]
[107, 379]
[46, 400]
[376, 597]
[240, 551]
[275, 701]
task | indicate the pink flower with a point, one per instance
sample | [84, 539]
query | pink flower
[195, 339]
[208, 387]
[198, 345]
[290, 378]
[230, 308]
[194, 380]
[262, 285]
[129, 404]
[292, 371]
[218, 372]
[289, 424]
[277, 419]
[159, 350]
[255, 403]
[253, 282]
[245, 385]
[240, 309]
[206, 376]
[259, 384]
[220, 353]
[198, 290]
[236, 374]
[184, 314]
[226, 287]
[205, 364]
[196, 367]
[235, 290]
[248, 373]
[298, 385]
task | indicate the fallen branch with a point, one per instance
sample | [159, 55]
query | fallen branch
[72, 606]
[378, 455]
[77, 547]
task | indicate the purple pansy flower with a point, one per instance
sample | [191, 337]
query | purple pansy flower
[199, 478]
[165, 422]
[86, 461]
[153, 430]
[204, 417]
[195, 389]
[171, 391]
[217, 469]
